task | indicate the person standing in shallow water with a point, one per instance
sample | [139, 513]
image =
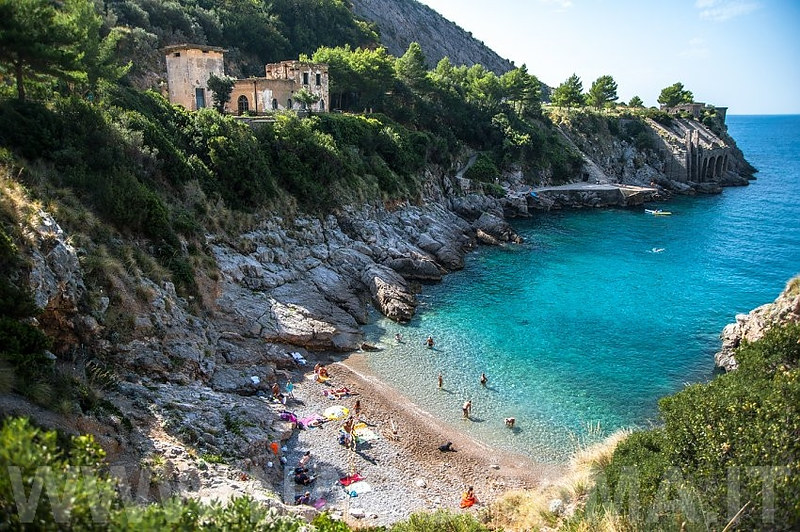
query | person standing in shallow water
[441, 381]
[467, 409]
[484, 380]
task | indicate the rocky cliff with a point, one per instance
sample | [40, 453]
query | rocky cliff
[186, 381]
[402, 22]
[679, 156]
[752, 326]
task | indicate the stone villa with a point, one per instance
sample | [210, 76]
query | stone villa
[190, 65]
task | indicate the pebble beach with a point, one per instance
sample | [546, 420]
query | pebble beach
[402, 467]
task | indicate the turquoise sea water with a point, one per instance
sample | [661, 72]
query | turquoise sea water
[584, 325]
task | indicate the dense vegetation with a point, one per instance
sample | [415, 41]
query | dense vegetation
[727, 448]
[52, 482]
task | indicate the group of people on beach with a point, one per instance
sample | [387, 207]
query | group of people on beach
[282, 396]
[303, 475]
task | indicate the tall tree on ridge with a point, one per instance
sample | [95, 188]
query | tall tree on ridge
[37, 38]
[411, 67]
[674, 95]
[569, 93]
[602, 92]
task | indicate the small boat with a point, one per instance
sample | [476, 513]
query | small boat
[657, 212]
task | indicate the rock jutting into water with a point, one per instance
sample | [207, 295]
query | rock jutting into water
[752, 326]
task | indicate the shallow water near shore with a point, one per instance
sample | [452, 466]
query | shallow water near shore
[601, 312]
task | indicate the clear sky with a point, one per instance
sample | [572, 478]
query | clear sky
[743, 54]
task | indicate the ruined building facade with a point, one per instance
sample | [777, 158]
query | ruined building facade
[188, 70]
[189, 67]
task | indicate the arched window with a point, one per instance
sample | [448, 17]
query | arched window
[289, 103]
[274, 104]
[242, 104]
[322, 105]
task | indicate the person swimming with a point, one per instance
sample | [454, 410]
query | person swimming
[429, 342]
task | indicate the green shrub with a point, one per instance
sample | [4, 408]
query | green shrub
[484, 170]
[75, 487]
[726, 443]
[659, 116]
[438, 521]
[53, 483]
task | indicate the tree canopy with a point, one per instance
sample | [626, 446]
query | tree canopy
[636, 102]
[602, 92]
[39, 38]
[675, 94]
[411, 66]
[221, 88]
[523, 91]
[569, 93]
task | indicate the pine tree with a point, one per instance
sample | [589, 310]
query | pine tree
[603, 92]
[569, 93]
[39, 39]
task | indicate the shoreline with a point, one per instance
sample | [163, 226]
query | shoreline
[405, 475]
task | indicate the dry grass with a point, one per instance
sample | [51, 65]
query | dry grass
[530, 510]
[16, 203]
[793, 287]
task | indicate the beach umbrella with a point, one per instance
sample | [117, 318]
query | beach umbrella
[336, 412]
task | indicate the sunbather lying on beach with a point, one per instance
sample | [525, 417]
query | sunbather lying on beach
[338, 393]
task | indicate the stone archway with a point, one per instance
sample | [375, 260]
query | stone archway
[322, 105]
[242, 104]
[274, 104]
[289, 103]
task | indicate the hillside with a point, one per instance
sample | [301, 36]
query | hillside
[401, 22]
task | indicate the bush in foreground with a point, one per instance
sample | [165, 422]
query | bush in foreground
[728, 450]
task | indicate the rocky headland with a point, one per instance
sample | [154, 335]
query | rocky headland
[752, 326]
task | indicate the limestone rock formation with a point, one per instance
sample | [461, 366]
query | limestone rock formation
[402, 22]
[56, 280]
[750, 327]
[682, 157]
[493, 230]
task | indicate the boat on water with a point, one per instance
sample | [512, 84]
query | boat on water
[657, 212]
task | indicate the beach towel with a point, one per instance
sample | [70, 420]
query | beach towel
[359, 488]
[308, 420]
[320, 503]
[364, 434]
[336, 412]
[288, 416]
[349, 479]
